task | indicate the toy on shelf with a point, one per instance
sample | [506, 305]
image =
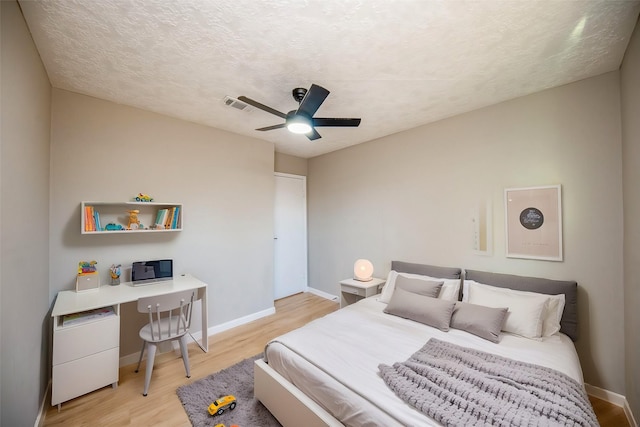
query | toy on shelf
[134, 222]
[221, 404]
[115, 271]
[87, 267]
[141, 197]
[112, 226]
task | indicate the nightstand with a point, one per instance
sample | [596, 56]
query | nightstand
[352, 290]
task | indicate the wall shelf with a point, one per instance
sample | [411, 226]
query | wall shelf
[116, 213]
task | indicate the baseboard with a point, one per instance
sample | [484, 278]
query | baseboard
[614, 398]
[43, 407]
[322, 294]
[236, 322]
[133, 358]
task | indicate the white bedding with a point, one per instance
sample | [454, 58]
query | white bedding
[335, 359]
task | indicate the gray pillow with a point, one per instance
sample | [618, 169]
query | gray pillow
[430, 311]
[485, 322]
[427, 288]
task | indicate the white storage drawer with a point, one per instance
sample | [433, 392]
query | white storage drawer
[74, 342]
[81, 376]
[353, 290]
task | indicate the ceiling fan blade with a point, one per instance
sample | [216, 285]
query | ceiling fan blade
[262, 106]
[280, 126]
[313, 135]
[314, 97]
[336, 122]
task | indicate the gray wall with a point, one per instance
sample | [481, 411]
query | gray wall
[286, 163]
[109, 152]
[630, 85]
[24, 195]
[411, 200]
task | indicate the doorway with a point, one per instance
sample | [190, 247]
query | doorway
[290, 235]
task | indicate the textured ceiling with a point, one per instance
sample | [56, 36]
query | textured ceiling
[396, 64]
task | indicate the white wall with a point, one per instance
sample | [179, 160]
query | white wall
[24, 192]
[109, 152]
[408, 197]
[630, 85]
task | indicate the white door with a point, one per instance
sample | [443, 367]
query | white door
[290, 240]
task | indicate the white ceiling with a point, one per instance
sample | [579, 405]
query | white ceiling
[396, 64]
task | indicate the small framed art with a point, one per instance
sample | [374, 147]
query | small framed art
[533, 218]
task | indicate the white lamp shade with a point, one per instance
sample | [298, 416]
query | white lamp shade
[363, 270]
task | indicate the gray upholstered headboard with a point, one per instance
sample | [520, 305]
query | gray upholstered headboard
[426, 270]
[569, 321]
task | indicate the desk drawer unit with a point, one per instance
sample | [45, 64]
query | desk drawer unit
[83, 340]
[85, 358]
[81, 376]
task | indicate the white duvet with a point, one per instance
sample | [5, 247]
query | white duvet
[335, 359]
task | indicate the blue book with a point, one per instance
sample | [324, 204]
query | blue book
[176, 214]
[96, 219]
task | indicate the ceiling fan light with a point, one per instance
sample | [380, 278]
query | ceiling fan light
[299, 124]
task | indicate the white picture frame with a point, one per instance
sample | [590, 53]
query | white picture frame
[533, 222]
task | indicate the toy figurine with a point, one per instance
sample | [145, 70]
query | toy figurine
[134, 222]
[114, 271]
[112, 226]
[87, 267]
[141, 197]
[221, 404]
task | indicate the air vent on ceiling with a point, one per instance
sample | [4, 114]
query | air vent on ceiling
[232, 102]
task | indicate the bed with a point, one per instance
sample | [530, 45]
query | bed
[329, 372]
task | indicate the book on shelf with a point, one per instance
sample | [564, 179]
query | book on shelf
[169, 220]
[96, 220]
[89, 219]
[88, 315]
[161, 217]
[176, 216]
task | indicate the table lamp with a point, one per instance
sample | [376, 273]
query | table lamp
[363, 270]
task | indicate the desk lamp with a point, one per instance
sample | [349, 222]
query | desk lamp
[363, 270]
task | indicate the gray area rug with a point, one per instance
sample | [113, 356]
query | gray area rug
[236, 380]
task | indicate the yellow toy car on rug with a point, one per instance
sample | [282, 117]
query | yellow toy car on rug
[219, 406]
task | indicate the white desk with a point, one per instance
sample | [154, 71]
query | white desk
[79, 349]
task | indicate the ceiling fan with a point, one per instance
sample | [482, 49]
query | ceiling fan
[302, 120]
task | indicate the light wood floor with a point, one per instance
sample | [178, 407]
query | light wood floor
[125, 406]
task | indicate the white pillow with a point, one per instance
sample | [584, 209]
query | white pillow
[527, 310]
[553, 311]
[389, 287]
[555, 308]
[449, 291]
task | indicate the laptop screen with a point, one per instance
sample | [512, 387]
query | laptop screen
[151, 271]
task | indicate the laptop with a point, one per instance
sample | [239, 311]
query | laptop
[149, 272]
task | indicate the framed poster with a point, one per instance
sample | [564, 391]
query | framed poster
[534, 222]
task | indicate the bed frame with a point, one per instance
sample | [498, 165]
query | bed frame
[293, 408]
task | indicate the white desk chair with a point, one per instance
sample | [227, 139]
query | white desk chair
[169, 320]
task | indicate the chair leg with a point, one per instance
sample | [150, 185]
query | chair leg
[144, 344]
[185, 354]
[151, 354]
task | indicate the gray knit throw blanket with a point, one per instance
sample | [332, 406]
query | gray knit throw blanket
[460, 386]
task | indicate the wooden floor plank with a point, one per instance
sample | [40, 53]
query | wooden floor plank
[125, 405]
